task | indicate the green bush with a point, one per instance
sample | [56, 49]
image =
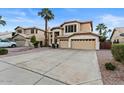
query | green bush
[118, 52]
[110, 66]
[36, 44]
[3, 51]
[33, 39]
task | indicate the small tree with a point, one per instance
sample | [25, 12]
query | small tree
[34, 42]
[33, 39]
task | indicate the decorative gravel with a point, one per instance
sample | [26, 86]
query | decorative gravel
[110, 77]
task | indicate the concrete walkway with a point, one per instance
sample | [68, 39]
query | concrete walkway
[51, 67]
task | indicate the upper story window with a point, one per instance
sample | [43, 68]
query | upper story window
[19, 31]
[32, 31]
[70, 28]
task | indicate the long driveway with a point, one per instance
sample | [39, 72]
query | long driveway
[51, 67]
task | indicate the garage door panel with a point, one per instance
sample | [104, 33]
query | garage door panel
[63, 44]
[83, 43]
[20, 43]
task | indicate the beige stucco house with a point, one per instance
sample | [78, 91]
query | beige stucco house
[75, 35]
[23, 35]
[117, 35]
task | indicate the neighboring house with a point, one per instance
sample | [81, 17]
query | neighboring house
[6, 35]
[23, 35]
[117, 35]
[75, 35]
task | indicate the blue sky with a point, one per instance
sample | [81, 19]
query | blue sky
[26, 17]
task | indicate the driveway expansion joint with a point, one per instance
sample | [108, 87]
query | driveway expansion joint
[59, 64]
[38, 81]
[35, 72]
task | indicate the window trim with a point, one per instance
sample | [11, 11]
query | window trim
[70, 28]
[32, 30]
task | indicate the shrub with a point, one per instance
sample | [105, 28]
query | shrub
[110, 66]
[118, 52]
[53, 45]
[36, 44]
[3, 51]
[33, 39]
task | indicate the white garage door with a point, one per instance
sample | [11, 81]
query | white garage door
[63, 43]
[83, 44]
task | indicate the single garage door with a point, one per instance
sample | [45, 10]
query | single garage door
[83, 43]
[20, 43]
[63, 43]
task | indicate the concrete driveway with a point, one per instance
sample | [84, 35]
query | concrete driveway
[51, 67]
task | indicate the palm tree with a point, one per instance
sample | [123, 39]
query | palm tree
[103, 31]
[101, 27]
[2, 22]
[47, 15]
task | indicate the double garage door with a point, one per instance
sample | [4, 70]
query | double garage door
[83, 44]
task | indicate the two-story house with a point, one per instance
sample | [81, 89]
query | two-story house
[23, 35]
[117, 35]
[75, 35]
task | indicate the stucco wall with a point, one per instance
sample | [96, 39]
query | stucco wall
[116, 36]
[85, 27]
[53, 35]
[40, 36]
[27, 31]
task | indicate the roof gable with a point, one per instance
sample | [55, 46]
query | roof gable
[81, 22]
[18, 27]
[22, 35]
[116, 29]
[26, 28]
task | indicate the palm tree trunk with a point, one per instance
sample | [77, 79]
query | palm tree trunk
[100, 32]
[46, 40]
